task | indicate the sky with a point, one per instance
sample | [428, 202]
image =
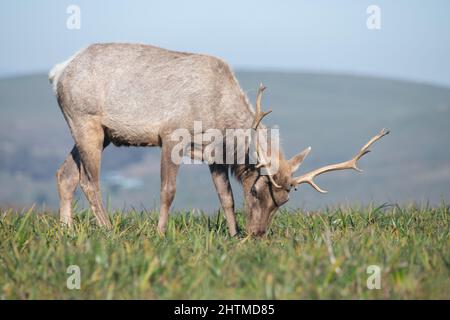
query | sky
[413, 42]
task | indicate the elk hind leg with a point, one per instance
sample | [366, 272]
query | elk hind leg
[169, 171]
[68, 177]
[90, 143]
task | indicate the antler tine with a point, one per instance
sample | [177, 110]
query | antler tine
[264, 163]
[259, 115]
[350, 164]
[365, 150]
[276, 185]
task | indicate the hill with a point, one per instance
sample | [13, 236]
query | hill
[335, 114]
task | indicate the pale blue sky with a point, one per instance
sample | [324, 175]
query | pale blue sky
[319, 35]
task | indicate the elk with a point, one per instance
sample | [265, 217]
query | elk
[136, 95]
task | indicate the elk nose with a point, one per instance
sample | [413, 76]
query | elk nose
[259, 232]
[256, 230]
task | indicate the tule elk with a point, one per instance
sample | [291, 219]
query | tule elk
[138, 95]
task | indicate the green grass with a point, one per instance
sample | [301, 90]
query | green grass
[304, 256]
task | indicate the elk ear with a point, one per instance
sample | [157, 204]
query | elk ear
[297, 160]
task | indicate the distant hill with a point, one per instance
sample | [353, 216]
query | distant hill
[335, 114]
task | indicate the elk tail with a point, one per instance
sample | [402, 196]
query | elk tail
[55, 73]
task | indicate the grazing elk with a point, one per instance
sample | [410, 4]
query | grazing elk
[137, 95]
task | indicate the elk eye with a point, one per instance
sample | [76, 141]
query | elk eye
[253, 191]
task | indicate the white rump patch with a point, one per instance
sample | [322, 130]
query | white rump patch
[56, 72]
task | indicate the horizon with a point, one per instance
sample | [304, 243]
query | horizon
[281, 72]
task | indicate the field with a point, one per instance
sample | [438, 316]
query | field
[306, 255]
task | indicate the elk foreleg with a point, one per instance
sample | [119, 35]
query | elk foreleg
[219, 174]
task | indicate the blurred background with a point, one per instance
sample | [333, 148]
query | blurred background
[335, 77]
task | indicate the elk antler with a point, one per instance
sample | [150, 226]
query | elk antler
[259, 115]
[350, 164]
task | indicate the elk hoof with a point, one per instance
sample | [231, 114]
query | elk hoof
[161, 231]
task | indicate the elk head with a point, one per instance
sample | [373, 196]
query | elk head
[265, 191]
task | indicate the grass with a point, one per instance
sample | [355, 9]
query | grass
[319, 255]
